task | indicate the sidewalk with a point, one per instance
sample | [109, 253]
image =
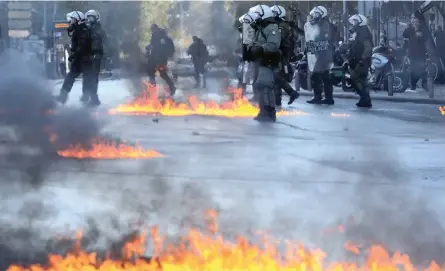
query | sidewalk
[409, 96]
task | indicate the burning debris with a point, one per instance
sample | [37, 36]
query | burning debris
[442, 110]
[340, 115]
[148, 103]
[210, 251]
[108, 149]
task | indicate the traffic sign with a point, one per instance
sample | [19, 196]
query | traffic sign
[19, 24]
[18, 33]
[19, 5]
[19, 14]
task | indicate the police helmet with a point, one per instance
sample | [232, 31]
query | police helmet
[248, 18]
[278, 11]
[318, 13]
[263, 11]
[358, 20]
[75, 15]
[92, 15]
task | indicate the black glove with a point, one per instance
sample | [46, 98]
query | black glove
[71, 58]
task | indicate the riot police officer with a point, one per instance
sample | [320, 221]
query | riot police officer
[80, 56]
[265, 49]
[248, 68]
[359, 60]
[319, 54]
[97, 48]
[285, 74]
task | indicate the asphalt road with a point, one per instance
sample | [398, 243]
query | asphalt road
[376, 172]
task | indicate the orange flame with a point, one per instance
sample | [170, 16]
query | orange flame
[340, 115]
[107, 149]
[148, 103]
[442, 110]
[199, 251]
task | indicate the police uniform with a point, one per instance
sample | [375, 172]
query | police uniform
[80, 60]
[266, 50]
[284, 74]
[360, 62]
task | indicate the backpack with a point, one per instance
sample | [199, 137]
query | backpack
[169, 47]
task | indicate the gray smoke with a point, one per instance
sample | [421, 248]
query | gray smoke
[29, 115]
[214, 26]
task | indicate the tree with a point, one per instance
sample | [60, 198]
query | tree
[156, 12]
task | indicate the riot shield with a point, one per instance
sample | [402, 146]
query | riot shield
[311, 34]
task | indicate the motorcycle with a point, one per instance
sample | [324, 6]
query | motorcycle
[383, 72]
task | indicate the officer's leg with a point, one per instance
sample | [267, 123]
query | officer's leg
[168, 80]
[265, 86]
[328, 89]
[256, 93]
[277, 89]
[94, 83]
[360, 78]
[282, 83]
[317, 87]
[68, 83]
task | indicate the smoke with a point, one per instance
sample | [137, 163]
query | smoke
[390, 210]
[29, 113]
[214, 26]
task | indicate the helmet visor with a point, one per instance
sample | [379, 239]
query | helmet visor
[316, 14]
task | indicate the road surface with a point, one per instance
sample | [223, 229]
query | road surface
[378, 174]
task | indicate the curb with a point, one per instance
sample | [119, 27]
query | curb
[384, 98]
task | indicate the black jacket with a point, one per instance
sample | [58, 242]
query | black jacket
[361, 47]
[420, 43]
[198, 51]
[80, 43]
[98, 38]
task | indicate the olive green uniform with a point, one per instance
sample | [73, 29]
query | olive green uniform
[269, 38]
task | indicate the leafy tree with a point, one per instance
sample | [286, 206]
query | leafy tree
[150, 13]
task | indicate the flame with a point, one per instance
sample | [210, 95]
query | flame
[107, 149]
[209, 251]
[442, 110]
[340, 115]
[148, 103]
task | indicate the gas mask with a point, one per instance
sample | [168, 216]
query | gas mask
[91, 20]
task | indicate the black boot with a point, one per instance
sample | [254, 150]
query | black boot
[328, 101]
[63, 96]
[272, 114]
[84, 98]
[364, 104]
[315, 100]
[293, 97]
[261, 115]
[94, 101]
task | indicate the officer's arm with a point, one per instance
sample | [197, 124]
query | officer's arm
[367, 49]
[273, 39]
[96, 43]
